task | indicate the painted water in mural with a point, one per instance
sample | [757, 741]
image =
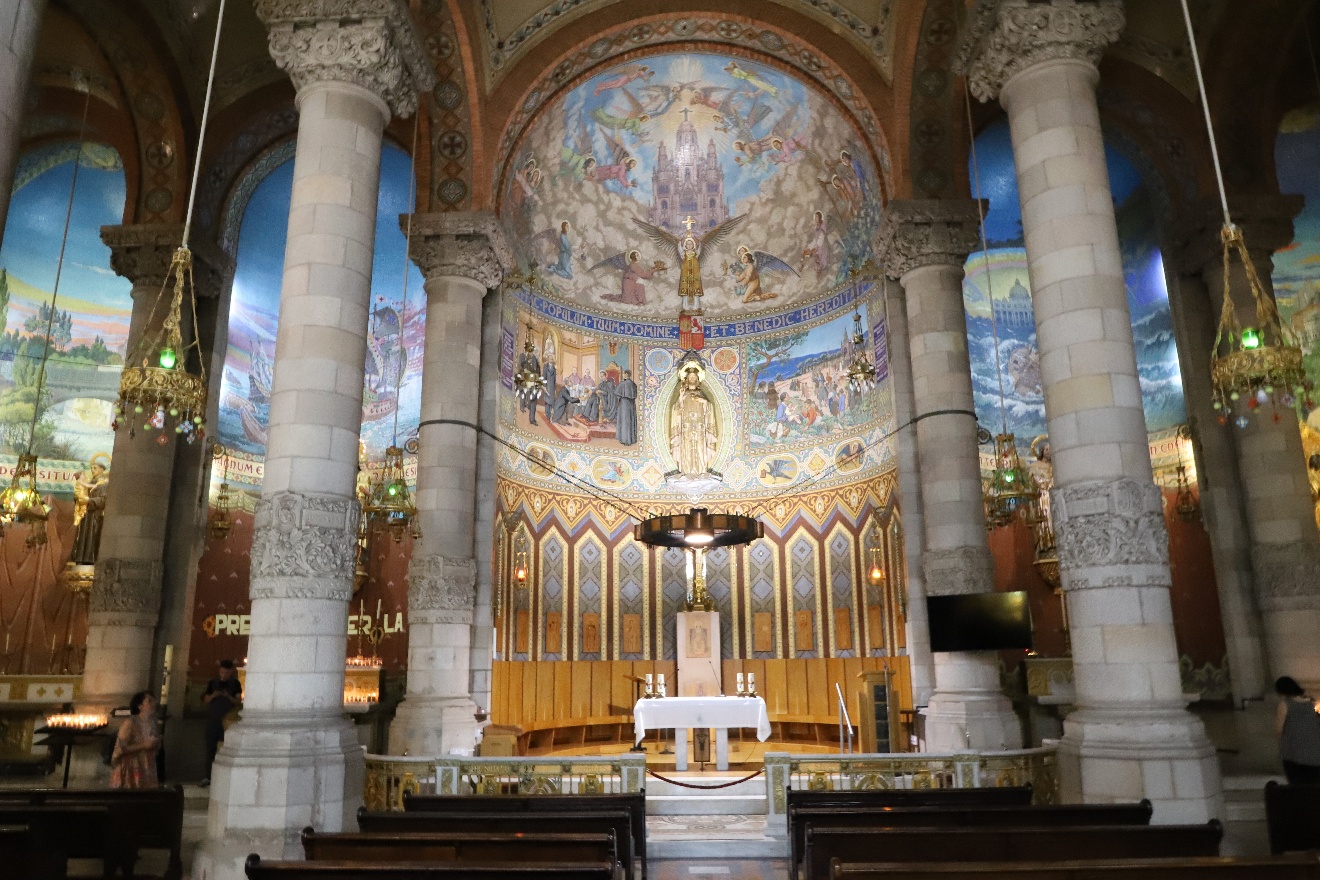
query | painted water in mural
[89, 323]
[395, 337]
[1003, 280]
[770, 178]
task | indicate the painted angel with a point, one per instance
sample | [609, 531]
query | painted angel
[747, 274]
[617, 171]
[688, 249]
[632, 292]
[558, 243]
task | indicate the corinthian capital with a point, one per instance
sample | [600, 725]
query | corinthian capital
[466, 244]
[1005, 37]
[927, 232]
[368, 43]
[142, 253]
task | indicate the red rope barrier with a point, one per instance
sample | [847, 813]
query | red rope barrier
[704, 787]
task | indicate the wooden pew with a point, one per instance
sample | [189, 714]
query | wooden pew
[258, 869]
[634, 803]
[1024, 816]
[17, 850]
[1292, 813]
[618, 822]
[910, 797]
[1293, 867]
[57, 833]
[969, 844]
[467, 847]
[137, 820]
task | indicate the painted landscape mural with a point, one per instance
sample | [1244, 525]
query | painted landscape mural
[760, 167]
[1000, 277]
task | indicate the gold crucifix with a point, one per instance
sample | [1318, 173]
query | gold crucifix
[689, 222]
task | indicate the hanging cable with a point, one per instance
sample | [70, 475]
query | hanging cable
[1205, 108]
[201, 133]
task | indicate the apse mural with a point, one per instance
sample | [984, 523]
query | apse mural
[1005, 343]
[89, 326]
[768, 176]
[395, 336]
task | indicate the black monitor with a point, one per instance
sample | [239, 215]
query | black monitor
[979, 622]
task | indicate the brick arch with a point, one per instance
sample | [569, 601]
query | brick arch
[777, 37]
[158, 167]
[937, 130]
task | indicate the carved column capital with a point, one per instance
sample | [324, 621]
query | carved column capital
[304, 546]
[441, 589]
[467, 244]
[142, 253]
[1110, 533]
[367, 43]
[958, 571]
[1005, 37]
[927, 232]
[1286, 575]
[128, 590]
[1266, 221]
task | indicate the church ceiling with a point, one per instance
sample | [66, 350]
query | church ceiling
[771, 176]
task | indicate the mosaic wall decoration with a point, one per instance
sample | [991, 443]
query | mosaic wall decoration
[1006, 345]
[765, 170]
[1297, 266]
[794, 593]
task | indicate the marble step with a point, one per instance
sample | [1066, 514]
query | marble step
[754, 787]
[744, 848]
[705, 804]
[724, 836]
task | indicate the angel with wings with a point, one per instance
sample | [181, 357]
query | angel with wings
[688, 250]
[747, 274]
[632, 292]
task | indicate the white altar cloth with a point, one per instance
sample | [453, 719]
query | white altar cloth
[681, 713]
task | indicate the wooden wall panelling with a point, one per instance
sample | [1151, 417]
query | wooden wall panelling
[875, 627]
[528, 685]
[621, 688]
[796, 686]
[804, 634]
[763, 632]
[632, 633]
[544, 691]
[833, 673]
[554, 633]
[522, 631]
[843, 639]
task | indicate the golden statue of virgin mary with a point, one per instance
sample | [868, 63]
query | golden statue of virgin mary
[692, 433]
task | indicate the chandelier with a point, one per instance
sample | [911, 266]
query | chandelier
[698, 528]
[21, 502]
[218, 522]
[389, 502]
[156, 388]
[861, 372]
[528, 384]
[1011, 490]
[1256, 365]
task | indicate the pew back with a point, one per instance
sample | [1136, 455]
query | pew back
[259, 869]
[1292, 813]
[467, 847]
[1295, 867]
[824, 845]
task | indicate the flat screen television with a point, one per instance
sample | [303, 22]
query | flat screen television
[979, 622]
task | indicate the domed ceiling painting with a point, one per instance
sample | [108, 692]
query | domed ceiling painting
[769, 175]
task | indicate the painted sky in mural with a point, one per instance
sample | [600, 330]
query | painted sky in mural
[396, 335]
[1008, 282]
[90, 324]
[771, 176]
[1297, 267]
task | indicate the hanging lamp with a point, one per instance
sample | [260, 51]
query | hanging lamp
[156, 388]
[528, 384]
[21, 501]
[861, 372]
[218, 522]
[389, 502]
[1250, 366]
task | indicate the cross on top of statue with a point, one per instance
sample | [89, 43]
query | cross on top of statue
[688, 221]
[686, 111]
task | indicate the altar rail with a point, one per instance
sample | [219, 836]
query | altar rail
[389, 777]
[921, 770]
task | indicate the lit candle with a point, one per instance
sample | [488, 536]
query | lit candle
[751, 682]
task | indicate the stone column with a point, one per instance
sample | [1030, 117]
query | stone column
[924, 244]
[126, 595]
[483, 626]
[461, 256]
[294, 759]
[909, 492]
[1131, 736]
[20, 22]
[1280, 513]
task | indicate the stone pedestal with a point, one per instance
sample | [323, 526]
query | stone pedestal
[461, 257]
[20, 22]
[1131, 736]
[924, 244]
[294, 760]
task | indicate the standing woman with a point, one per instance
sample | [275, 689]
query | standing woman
[1298, 727]
[133, 764]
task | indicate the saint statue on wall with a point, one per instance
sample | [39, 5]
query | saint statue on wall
[89, 510]
[692, 431]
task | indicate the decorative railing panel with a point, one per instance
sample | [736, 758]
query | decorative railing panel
[389, 777]
[915, 770]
